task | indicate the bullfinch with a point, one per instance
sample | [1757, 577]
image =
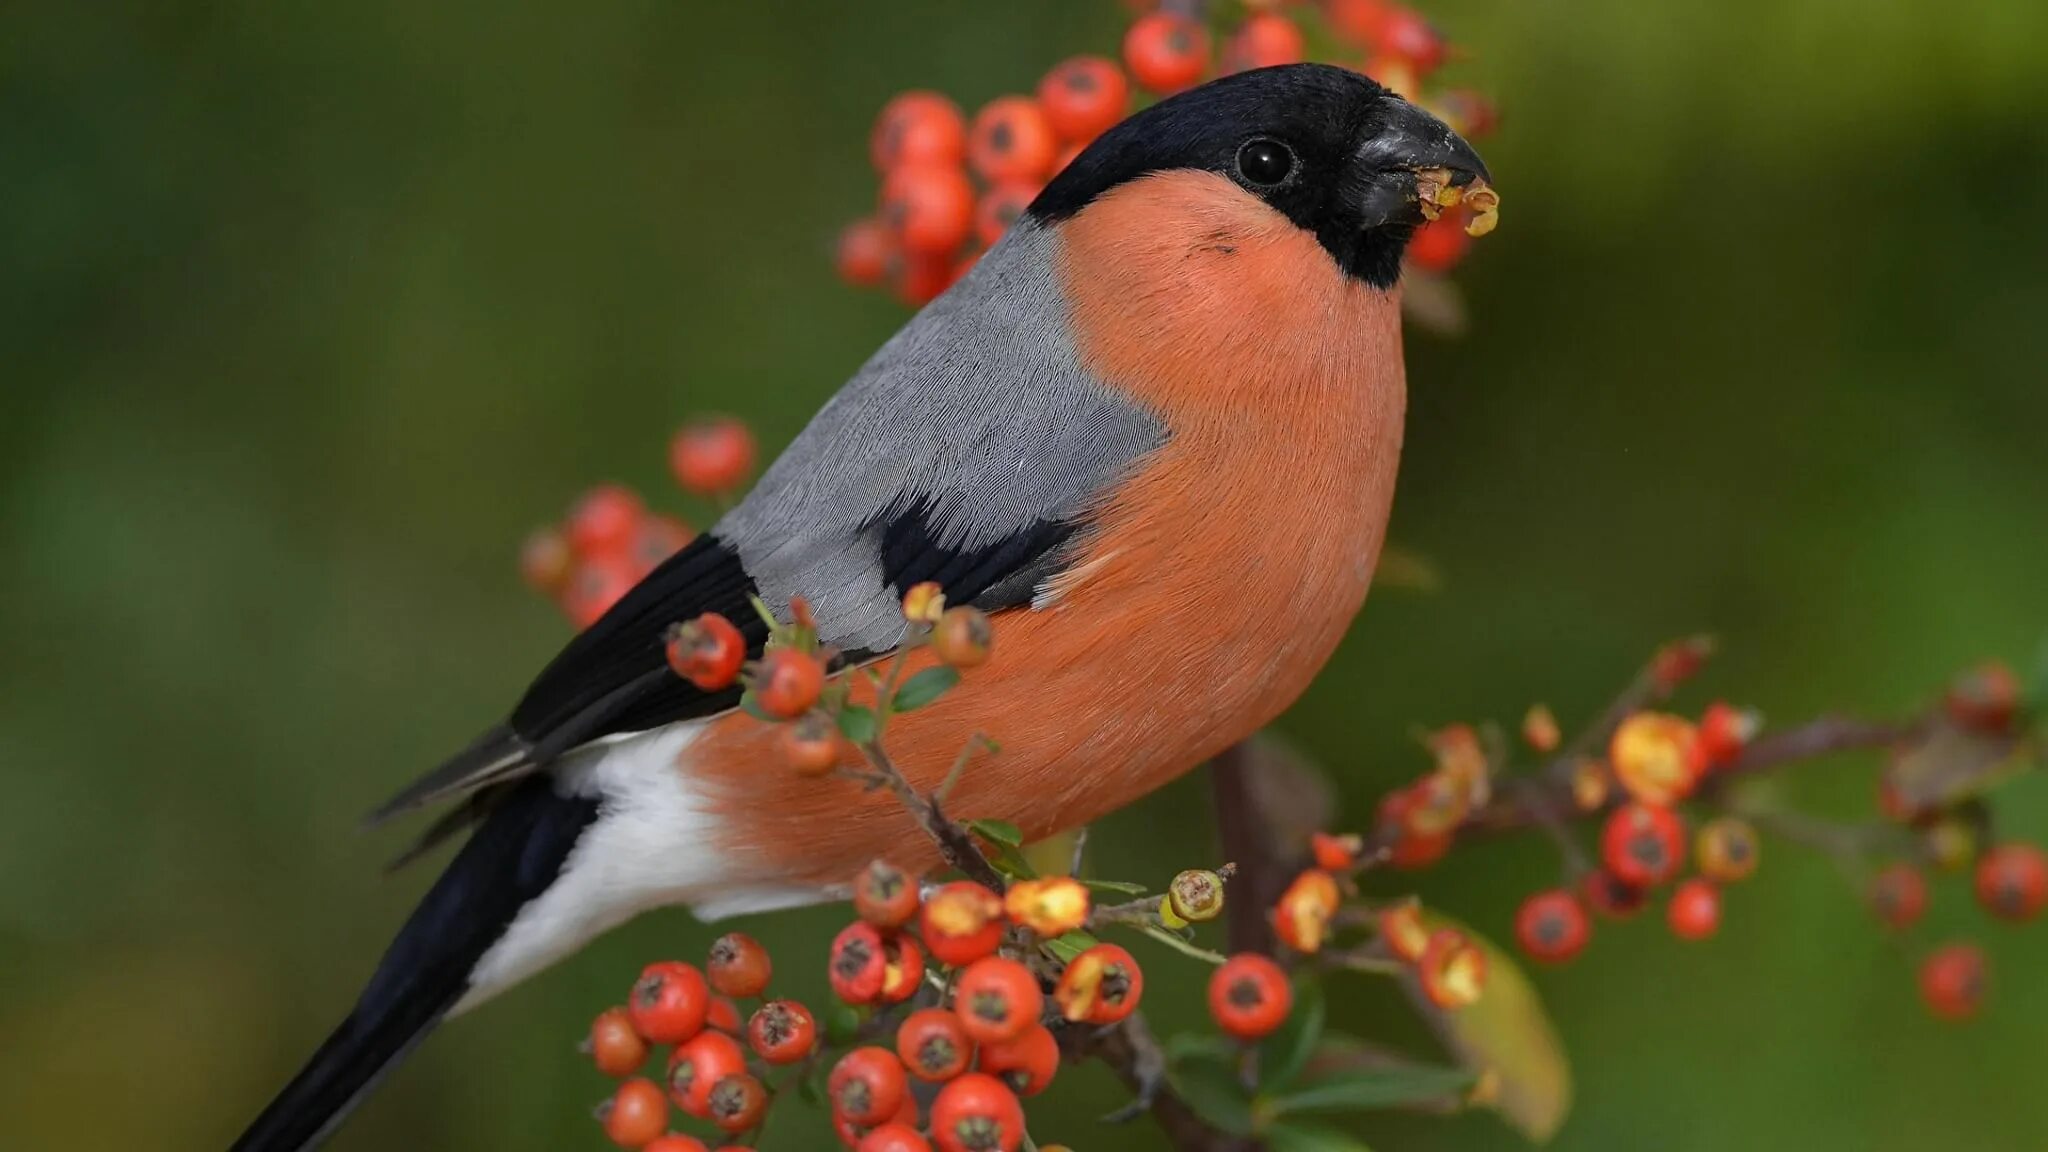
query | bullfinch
[1154, 430]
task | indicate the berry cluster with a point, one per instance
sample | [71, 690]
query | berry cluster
[951, 185]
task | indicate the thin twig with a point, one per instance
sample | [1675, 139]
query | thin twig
[955, 843]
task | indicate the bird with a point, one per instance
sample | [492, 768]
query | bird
[1153, 432]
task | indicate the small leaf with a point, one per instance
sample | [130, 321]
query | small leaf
[997, 832]
[857, 723]
[1283, 1054]
[1310, 1138]
[1365, 1089]
[1212, 1090]
[1120, 887]
[1065, 948]
[924, 688]
[1198, 1046]
[751, 705]
[1509, 1032]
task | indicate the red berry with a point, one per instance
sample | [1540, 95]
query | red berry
[657, 539]
[724, 1016]
[1899, 895]
[811, 744]
[1952, 981]
[1695, 910]
[603, 520]
[918, 128]
[885, 895]
[1411, 849]
[616, 1047]
[1262, 41]
[962, 922]
[1167, 52]
[1610, 897]
[867, 1086]
[2012, 881]
[697, 1065]
[962, 637]
[1012, 140]
[1642, 845]
[933, 1044]
[929, 208]
[903, 974]
[545, 561]
[669, 1002]
[708, 651]
[1000, 207]
[1101, 986]
[1336, 854]
[1026, 1062]
[859, 964]
[636, 1115]
[737, 1103]
[1303, 914]
[787, 682]
[1404, 33]
[1356, 21]
[1249, 996]
[1680, 660]
[677, 1142]
[893, 1137]
[1723, 731]
[597, 583]
[738, 966]
[710, 457]
[865, 249]
[1452, 970]
[1985, 698]
[997, 999]
[1439, 245]
[1552, 926]
[977, 1113]
[782, 1032]
[920, 279]
[1083, 97]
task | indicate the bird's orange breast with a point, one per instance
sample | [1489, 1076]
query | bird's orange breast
[1217, 579]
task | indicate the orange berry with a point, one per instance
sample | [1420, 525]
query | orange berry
[918, 128]
[1953, 980]
[636, 1115]
[1067, 156]
[865, 248]
[997, 998]
[885, 895]
[545, 561]
[929, 208]
[1302, 917]
[1402, 930]
[1985, 698]
[603, 520]
[782, 1032]
[859, 963]
[1642, 845]
[962, 637]
[1680, 660]
[962, 922]
[1411, 848]
[977, 1113]
[933, 1044]
[615, 1046]
[1100, 986]
[1655, 757]
[738, 966]
[1052, 906]
[1695, 910]
[787, 682]
[1026, 1062]
[1166, 52]
[1552, 926]
[811, 744]
[1335, 853]
[1249, 996]
[1000, 207]
[903, 974]
[669, 1002]
[893, 1137]
[713, 456]
[1083, 97]
[1899, 895]
[867, 1086]
[707, 651]
[1262, 41]
[1723, 732]
[1452, 970]
[1726, 849]
[919, 280]
[1356, 21]
[924, 603]
[1540, 730]
[737, 1103]
[597, 583]
[2012, 881]
[1011, 140]
[677, 1142]
[697, 1065]
[1404, 33]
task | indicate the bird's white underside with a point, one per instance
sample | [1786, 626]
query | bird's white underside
[648, 848]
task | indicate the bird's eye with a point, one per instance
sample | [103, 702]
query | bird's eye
[1264, 162]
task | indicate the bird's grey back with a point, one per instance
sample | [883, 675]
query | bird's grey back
[977, 417]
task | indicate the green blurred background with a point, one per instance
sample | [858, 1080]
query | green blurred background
[310, 311]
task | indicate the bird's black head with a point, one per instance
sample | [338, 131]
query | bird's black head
[1331, 150]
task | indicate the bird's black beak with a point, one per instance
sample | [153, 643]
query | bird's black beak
[1411, 142]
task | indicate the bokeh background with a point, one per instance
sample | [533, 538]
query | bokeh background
[310, 311]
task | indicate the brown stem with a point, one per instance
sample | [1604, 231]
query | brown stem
[1130, 1051]
[955, 843]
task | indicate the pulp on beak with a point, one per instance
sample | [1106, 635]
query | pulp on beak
[1416, 165]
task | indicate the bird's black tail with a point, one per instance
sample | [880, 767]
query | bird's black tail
[511, 858]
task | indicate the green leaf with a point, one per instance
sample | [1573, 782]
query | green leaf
[1065, 948]
[751, 705]
[1310, 1138]
[1364, 1089]
[1212, 1090]
[857, 723]
[924, 688]
[1120, 887]
[1283, 1054]
[997, 832]
[1196, 1046]
[1509, 1032]
[842, 1023]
